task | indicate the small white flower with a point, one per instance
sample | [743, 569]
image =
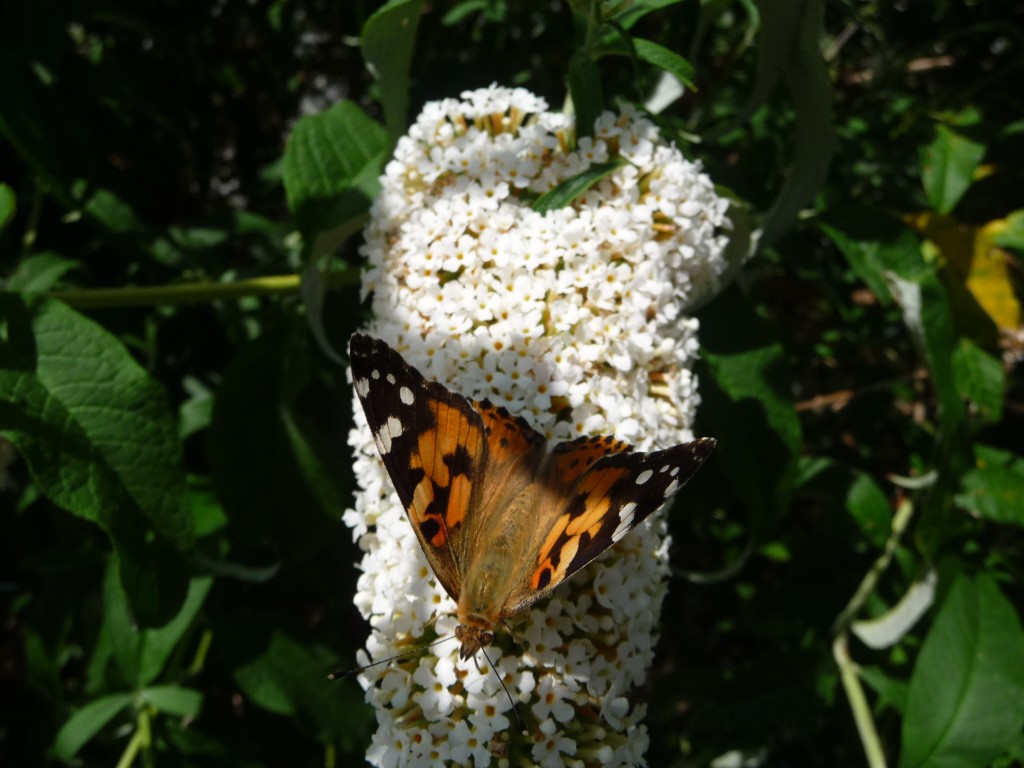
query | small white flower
[551, 701]
[470, 741]
[435, 681]
[574, 320]
[548, 750]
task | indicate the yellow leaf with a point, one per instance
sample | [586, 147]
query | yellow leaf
[978, 264]
[989, 279]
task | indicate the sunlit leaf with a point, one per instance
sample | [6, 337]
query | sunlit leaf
[100, 440]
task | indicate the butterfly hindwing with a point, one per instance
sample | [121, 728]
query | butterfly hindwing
[433, 445]
[611, 496]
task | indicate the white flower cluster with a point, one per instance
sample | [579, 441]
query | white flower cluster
[573, 320]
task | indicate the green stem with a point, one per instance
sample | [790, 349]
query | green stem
[858, 703]
[140, 740]
[205, 640]
[104, 298]
[840, 645]
[899, 524]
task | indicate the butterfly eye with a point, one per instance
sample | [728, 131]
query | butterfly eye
[459, 632]
[486, 638]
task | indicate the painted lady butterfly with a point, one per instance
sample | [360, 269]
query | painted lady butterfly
[503, 520]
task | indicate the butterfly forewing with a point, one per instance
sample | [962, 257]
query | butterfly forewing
[432, 444]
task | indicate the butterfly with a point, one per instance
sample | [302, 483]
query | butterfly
[502, 518]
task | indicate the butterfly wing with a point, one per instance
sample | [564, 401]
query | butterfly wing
[455, 464]
[606, 490]
[432, 443]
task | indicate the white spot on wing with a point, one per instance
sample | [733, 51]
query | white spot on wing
[391, 378]
[672, 488]
[625, 521]
[664, 468]
[674, 472]
[375, 374]
[386, 434]
[406, 396]
[644, 476]
[362, 387]
[394, 426]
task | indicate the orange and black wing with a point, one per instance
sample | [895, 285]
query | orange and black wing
[603, 490]
[433, 444]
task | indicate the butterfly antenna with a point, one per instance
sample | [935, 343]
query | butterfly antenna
[515, 709]
[340, 673]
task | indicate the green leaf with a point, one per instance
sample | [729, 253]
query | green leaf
[173, 699]
[331, 168]
[652, 53]
[40, 272]
[389, 37]
[746, 404]
[207, 513]
[87, 722]
[8, 205]
[587, 95]
[778, 28]
[947, 167]
[570, 189]
[813, 137]
[665, 59]
[873, 243]
[788, 52]
[70, 386]
[142, 654]
[461, 10]
[927, 315]
[868, 505]
[494, 11]
[891, 691]
[276, 474]
[887, 256]
[966, 700]
[1011, 235]
[194, 414]
[286, 674]
[995, 491]
[100, 440]
[157, 645]
[109, 210]
[979, 377]
[265, 679]
[630, 13]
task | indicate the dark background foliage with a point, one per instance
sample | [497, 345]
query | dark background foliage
[173, 462]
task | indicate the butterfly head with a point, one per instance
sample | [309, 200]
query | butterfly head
[472, 638]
